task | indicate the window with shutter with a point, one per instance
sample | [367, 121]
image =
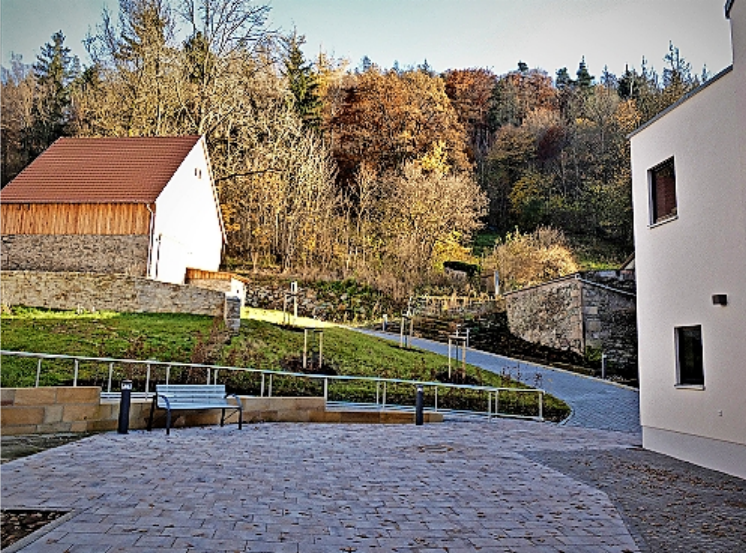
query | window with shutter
[663, 192]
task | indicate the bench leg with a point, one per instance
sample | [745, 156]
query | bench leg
[240, 416]
[222, 418]
[168, 422]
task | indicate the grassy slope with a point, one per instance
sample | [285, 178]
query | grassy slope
[188, 338]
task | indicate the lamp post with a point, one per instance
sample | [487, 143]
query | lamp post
[124, 407]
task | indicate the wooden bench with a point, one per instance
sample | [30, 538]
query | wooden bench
[173, 397]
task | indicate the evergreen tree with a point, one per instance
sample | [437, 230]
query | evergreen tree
[608, 79]
[302, 81]
[55, 70]
[584, 79]
[563, 80]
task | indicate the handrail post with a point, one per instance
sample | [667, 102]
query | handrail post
[436, 399]
[75, 376]
[168, 373]
[378, 392]
[305, 348]
[38, 373]
[541, 405]
[215, 376]
[261, 393]
[208, 375]
[147, 379]
[326, 390]
[321, 349]
[383, 405]
[111, 372]
[269, 394]
[497, 403]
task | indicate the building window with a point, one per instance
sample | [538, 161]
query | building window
[689, 356]
[662, 192]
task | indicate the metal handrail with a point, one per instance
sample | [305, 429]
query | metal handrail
[212, 372]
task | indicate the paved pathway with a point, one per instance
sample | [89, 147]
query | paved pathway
[595, 403]
[303, 488]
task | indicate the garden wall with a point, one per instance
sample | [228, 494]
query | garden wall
[579, 314]
[97, 292]
[126, 254]
[48, 410]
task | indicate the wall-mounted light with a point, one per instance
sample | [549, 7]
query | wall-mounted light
[720, 299]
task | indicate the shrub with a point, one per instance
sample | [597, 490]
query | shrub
[528, 259]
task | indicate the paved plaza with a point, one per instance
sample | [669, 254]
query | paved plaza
[459, 486]
[464, 485]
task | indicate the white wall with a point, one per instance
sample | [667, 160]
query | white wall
[187, 231]
[683, 262]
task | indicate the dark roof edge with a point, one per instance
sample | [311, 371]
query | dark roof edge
[728, 6]
[680, 101]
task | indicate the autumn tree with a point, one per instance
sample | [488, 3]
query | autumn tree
[388, 119]
[470, 92]
[18, 96]
[517, 93]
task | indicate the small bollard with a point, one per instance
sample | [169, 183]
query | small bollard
[124, 407]
[418, 418]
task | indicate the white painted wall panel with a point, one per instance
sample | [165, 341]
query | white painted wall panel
[187, 229]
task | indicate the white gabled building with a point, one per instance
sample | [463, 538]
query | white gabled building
[689, 196]
[144, 206]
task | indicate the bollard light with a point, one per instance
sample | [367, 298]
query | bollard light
[124, 407]
[418, 419]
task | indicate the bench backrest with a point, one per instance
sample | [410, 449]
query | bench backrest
[191, 393]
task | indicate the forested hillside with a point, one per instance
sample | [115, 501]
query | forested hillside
[327, 169]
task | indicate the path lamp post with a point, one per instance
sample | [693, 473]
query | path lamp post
[124, 407]
[419, 405]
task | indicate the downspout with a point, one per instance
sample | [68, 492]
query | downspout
[150, 239]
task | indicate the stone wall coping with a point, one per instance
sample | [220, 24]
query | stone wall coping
[575, 276]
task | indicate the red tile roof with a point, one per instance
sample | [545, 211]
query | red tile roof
[100, 170]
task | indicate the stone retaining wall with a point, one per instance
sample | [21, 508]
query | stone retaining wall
[49, 410]
[126, 254]
[328, 306]
[579, 315]
[97, 292]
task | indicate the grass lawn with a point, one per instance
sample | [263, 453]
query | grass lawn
[260, 344]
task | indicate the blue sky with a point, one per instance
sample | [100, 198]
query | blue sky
[450, 33]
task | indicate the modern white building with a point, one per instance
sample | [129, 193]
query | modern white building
[689, 196]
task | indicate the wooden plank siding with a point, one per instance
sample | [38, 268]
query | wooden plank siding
[65, 219]
[199, 274]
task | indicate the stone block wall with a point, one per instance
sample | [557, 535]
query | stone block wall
[549, 314]
[232, 287]
[97, 292]
[580, 315]
[50, 410]
[85, 253]
[610, 325]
